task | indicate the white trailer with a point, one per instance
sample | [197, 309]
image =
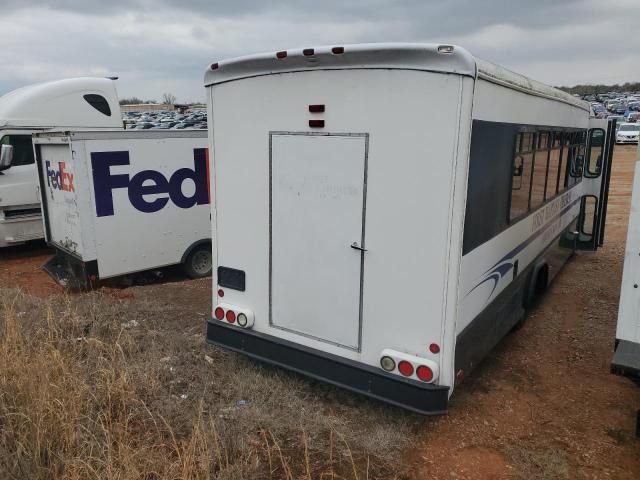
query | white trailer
[88, 103]
[626, 357]
[121, 202]
[385, 213]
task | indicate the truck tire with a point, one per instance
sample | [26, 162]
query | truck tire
[198, 263]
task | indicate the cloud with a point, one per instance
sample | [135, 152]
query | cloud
[161, 45]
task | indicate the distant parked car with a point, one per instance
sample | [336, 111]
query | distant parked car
[628, 133]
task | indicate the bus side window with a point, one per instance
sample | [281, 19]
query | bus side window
[521, 175]
[565, 161]
[539, 177]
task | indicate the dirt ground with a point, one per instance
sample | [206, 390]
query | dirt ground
[543, 405]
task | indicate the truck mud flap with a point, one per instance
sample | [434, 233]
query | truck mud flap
[412, 395]
[70, 272]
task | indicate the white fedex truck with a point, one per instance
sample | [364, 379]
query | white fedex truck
[88, 103]
[120, 202]
[626, 358]
[385, 213]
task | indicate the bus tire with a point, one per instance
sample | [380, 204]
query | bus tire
[198, 263]
[537, 284]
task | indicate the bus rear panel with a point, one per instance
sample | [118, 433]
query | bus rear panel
[333, 225]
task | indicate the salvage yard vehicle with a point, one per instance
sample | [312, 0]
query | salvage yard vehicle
[88, 103]
[628, 133]
[626, 357]
[364, 241]
[120, 202]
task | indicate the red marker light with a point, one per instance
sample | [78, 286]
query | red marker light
[337, 50]
[424, 373]
[405, 368]
[221, 293]
[214, 66]
[308, 52]
[434, 348]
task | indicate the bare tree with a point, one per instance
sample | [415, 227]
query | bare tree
[168, 98]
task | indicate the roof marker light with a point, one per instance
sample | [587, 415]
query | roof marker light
[214, 66]
[281, 55]
[316, 123]
[307, 52]
[316, 108]
[337, 50]
[445, 49]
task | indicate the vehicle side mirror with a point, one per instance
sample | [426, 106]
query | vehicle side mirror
[6, 157]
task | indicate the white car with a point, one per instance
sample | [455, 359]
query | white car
[628, 133]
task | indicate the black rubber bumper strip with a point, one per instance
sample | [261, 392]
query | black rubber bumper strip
[419, 397]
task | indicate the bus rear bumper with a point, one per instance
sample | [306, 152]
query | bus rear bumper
[423, 398]
[626, 360]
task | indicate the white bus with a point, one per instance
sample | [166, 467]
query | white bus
[626, 357]
[73, 103]
[386, 213]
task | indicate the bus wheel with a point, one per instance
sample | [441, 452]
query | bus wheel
[537, 285]
[198, 262]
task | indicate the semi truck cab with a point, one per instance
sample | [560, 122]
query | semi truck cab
[76, 103]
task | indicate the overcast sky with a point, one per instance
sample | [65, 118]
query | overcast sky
[158, 46]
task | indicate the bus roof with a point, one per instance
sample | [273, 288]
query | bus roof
[406, 56]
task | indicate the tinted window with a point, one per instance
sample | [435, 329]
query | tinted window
[99, 103]
[553, 173]
[539, 178]
[22, 149]
[521, 175]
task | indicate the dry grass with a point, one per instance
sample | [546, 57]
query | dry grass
[97, 388]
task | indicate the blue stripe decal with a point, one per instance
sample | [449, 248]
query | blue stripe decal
[505, 264]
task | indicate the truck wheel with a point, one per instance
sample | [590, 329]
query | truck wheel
[198, 262]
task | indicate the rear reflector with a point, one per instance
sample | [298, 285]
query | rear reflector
[281, 55]
[316, 123]
[337, 50]
[316, 108]
[219, 313]
[308, 52]
[405, 368]
[231, 316]
[424, 373]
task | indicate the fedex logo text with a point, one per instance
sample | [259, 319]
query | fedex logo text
[148, 182]
[59, 179]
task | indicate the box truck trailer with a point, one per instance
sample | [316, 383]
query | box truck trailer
[88, 103]
[626, 357]
[120, 202]
[386, 213]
